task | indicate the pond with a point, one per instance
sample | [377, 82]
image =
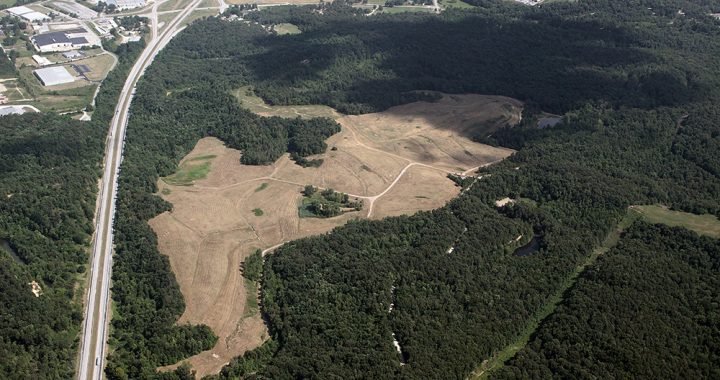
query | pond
[532, 247]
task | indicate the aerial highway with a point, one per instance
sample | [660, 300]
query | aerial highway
[94, 338]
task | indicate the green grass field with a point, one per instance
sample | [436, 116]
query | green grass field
[257, 105]
[190, 171]
[286, 28]
[707, 224]
[454, 4]
[251, 302]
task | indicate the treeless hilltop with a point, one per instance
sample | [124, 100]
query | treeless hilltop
[396, 161]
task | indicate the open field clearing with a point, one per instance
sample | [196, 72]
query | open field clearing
[707, 224]
[437, 133]
[99, 66]
[395, 161]
[416, 190]
[286, 29]
[258, 106]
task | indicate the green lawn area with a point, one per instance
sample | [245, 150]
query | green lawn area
[454, 4]
[707, 224]
[251, 302]
[286, 28]
[257, 105]
[190, 171]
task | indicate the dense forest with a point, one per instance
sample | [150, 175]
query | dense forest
[656, 292]
[48, 181]
[638, 89]
[49, 168]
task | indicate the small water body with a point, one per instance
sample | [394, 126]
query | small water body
[531, 248]
[5, 246]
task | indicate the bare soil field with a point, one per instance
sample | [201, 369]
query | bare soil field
[397, 161]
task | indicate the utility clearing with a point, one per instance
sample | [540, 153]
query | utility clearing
[396, 162]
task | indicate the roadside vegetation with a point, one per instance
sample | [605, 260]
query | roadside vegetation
[49, 168]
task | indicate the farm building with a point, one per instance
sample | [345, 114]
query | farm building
[126, 4]
[28, 14]
[51, 76]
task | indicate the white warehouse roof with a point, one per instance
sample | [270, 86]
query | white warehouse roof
[19, 10]
[51, 76]
[35, 16]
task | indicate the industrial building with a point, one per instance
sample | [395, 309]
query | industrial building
[28, 14]
[55, 75]
[126, 4]
[61, 41]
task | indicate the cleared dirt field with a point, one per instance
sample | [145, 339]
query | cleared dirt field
[397, 161]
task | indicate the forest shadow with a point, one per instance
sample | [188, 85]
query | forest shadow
[370, 64]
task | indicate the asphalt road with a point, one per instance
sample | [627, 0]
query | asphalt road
[94, 338]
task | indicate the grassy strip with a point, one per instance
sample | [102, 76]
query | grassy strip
[188, 173]
[707, 224]
[251, 301]
[499, 359]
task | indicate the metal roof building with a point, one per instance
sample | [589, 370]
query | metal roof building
[28, 14]
[51, 76]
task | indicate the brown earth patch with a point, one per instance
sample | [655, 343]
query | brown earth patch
[397, 161]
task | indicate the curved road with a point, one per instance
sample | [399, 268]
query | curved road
[92, 349]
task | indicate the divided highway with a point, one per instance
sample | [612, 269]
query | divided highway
[94, 338]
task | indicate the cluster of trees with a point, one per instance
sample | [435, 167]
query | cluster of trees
[131, 22]
[625, 84]
[252, 266]
[327, 203]
[655, 292]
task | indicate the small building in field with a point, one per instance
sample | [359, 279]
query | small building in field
[72, 54]
[41, 61]
[51, 76]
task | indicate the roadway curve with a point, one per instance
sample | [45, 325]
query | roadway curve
[92, 349]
